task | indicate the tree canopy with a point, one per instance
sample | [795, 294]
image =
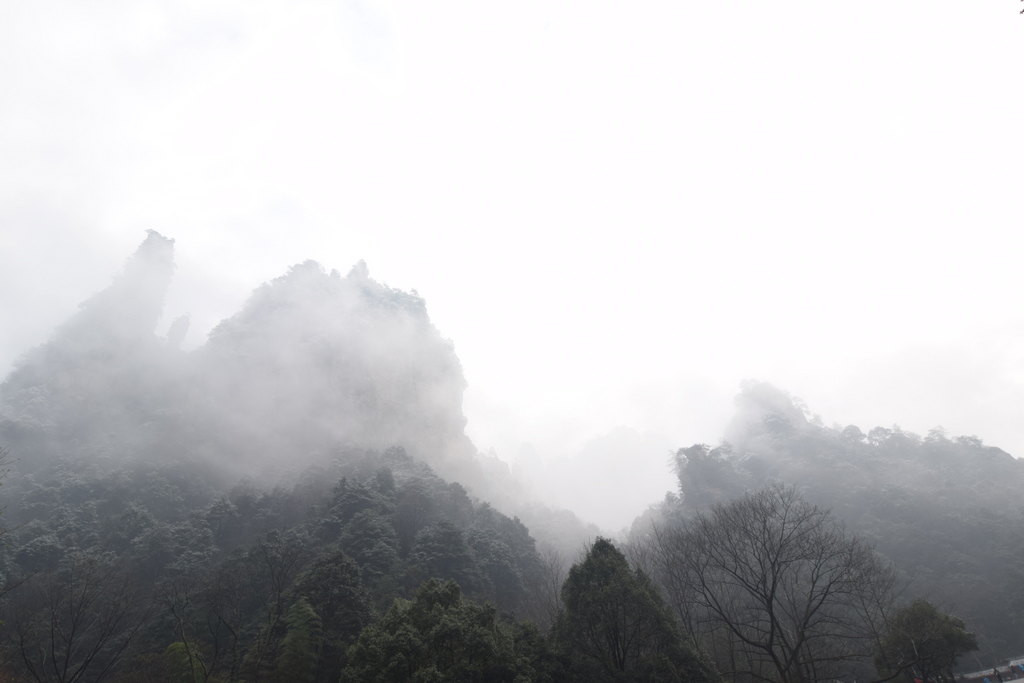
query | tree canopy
[774, 587]
[439, 636]
[615, 627]
[922, 642]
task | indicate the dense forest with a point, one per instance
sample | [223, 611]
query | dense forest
[296, 500]
[947, 512]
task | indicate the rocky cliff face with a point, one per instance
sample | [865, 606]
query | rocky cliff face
[314, 358]
[314, 361]
[101, 375]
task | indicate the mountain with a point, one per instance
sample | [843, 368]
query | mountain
[102, 376]
[255, 504]
[170, 512]
[314, 364]
[949, 512]
[314, 359]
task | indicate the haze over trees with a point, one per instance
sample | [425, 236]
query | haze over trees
[945, 511]
[296, 500]
[773, 588]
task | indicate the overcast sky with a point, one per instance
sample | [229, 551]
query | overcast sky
[617, 211]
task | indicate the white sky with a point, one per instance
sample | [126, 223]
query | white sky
[617, 211]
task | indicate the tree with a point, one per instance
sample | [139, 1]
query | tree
[75, 624]
[774, 588]
[276, 560]
[923, 643]
[300, 649]
[369, 538]
[6, 585]
[440, 551]
[439, 636]
[502, 578]
[331, 585]
[615, 627]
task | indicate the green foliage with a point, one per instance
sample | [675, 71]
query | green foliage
[503, 582]
[123, 518]
[440, 550]
[127, 452]
[946, 511]
[923, 642]
[332, 584]
[300, 650]
[437, 636]
[223, 576]
[415, 508]
[370, 539]
[615, 627]
[180, 664]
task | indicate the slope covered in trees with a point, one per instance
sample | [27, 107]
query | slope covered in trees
[312, 363]
[296, 500]
[947, 511]
[243, 510]
[248, 584]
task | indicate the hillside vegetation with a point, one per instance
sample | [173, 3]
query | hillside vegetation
[296, 499]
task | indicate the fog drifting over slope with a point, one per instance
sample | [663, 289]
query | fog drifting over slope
[615, 216]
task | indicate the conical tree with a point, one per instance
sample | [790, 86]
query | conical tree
[615, 627]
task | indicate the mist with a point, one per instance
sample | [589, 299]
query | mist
[609, 236]
[430, 274]
[314, 360]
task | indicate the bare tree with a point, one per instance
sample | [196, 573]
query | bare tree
[277, 559]
[178, 598]
[546, 604]
[223, 600]
[76, 624]
[773, 588]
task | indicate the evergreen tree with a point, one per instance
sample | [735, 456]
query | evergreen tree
[440, 551]
[300, 649]
[369, 538]
[439, 636]
[333, 585]
[615, 627]
[923, 643]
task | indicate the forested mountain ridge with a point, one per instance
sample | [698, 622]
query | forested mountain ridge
[151, 574]
[313, 362]
[245, 510]
[949, 512]
[297, 500]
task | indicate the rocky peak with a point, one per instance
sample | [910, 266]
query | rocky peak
[762, 409]
[129, 309]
